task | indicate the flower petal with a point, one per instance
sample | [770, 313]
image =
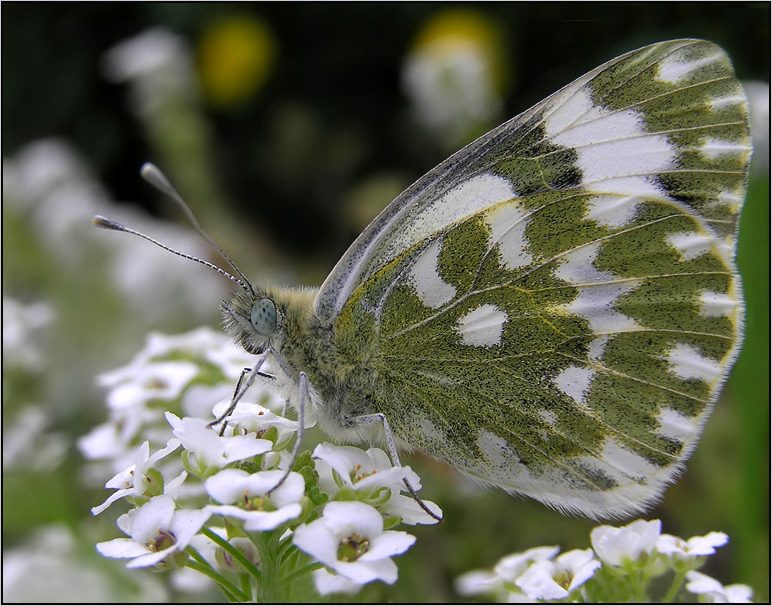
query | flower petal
[121, 548]
[390, 543]
[327, 583]
[185, 525]
[538, 583]
[367, 572]
[273, 519]
[156, 514]
[317, 541]
[345, 518]
[227, 486]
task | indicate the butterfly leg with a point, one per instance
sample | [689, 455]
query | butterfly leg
[303, 389]
[380, 417]
[241, 387]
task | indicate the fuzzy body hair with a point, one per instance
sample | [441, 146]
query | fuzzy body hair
[341, 382]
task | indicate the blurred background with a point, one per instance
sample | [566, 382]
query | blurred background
[287, 127]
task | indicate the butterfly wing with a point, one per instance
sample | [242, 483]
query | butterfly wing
[556, 306]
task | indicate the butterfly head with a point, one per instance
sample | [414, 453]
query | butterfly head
[253, 318]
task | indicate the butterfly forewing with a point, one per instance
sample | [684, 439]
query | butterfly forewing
[554, 309]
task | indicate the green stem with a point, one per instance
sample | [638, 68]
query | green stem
[637, 584]
[675, 587]
[237, 555]
[233, 593]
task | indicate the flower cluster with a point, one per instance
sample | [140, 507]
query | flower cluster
[236, 505]
[618, 568]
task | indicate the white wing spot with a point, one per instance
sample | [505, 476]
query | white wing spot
[733, 200]
[718, 103]
[627, 463]
[688, 363]
[507, 223]
[612, 211]
[714, 304]
[569, 112]
[501, 463]
[462, 201]
[549, 417]
[615, 153]
[716, 149]
[619, 463]
[597, 291]
[597, 347]
[675, 68]
[574, 381]
[690, 245]
[431, 433]
[483, 326]
[675, 426]
[431, 288]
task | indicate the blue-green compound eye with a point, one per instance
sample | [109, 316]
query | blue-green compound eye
[263, 316]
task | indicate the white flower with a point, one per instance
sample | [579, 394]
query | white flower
[360, 470]
[370, 474]
[676, 547]
[50, 566]
[105, 441]
[135, 481]
[478, 582]
[407, 509]
[45, 452]
[327, 583]
[197, 399]
[245, 496]
[710, 589]
[208, 449]
[556, 579]
[151, 376]
[132, 388]
[232, 359]
[199, 343]
[151, 381]
[158, 532]
[450, 76]
[512, 566]
[258, 419]
[501, 582]
[617, 545]
[156, 63]
[22, 327]
[349, 538]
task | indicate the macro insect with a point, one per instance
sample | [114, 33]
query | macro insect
[553, 309]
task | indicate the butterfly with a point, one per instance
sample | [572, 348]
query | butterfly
[553, 309]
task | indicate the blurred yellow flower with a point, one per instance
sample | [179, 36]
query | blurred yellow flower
[235, 57]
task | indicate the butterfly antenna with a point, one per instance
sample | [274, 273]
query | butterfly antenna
[105, 223]
[153, 175]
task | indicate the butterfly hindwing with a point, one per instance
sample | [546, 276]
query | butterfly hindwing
[553, 310]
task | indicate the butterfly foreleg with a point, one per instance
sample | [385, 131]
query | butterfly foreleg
[392, 448]
[241, 387]
[303, 392]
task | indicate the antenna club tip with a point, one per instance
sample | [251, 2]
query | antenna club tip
[147, 167]
[104, 222]
[153, 175]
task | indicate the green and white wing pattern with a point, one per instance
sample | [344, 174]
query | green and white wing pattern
[554, 309]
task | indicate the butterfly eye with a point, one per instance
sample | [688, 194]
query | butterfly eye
[263, 316]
